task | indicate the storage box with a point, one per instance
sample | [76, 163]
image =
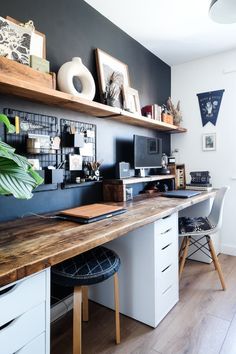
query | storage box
[15, 70]
[167, 118]
[54, 176]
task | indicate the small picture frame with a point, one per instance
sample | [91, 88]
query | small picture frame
[131, 100]
[209, 142]
[112, 75]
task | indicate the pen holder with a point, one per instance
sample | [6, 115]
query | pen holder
[54, 176]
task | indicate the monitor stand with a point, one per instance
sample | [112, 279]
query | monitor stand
[142, 172]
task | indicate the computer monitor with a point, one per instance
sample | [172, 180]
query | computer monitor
[147, 153]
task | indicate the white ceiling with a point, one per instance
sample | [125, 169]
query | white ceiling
[176, 31]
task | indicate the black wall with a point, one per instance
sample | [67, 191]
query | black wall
[73, 28]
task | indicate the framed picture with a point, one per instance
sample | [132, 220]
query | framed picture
[131, 100]
[209, 142]
[38, 41]
[15, 41]
[112, 75]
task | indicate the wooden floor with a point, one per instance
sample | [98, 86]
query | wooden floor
[203, 322]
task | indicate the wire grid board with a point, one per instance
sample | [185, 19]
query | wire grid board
[33, 123]
[80, 127]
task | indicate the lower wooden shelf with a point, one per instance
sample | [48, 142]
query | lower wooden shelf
[115, 189]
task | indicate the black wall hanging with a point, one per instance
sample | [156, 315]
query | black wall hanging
[209, 103]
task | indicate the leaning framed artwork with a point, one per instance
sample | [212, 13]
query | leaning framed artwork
[209, 142]
[112, 75]
[131, 100]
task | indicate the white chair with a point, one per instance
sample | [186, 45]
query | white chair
[193, 230]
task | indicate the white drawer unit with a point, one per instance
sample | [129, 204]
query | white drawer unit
[25, 314]
[36, 346]
[148, 276]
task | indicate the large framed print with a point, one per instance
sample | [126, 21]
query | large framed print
[15, 41]
[112, 75]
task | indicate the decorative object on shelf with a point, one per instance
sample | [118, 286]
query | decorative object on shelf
[39, 64]
[15, 41]
[112, 74]
[38, 39]
[152, 111]
[16, 72]
[17, 176]
[164, 163]
[69, 71]
[200, 177]
[131, 100]
[166, 117]
[174, 111]
[209, 103]
[95, 170]
[209, 142]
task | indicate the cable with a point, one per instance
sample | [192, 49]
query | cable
[42, 216]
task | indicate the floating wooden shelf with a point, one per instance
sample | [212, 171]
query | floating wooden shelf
[33, 92]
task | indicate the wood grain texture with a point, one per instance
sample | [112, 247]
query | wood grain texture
[18, 71]
[203, 321]
[32, 244]
[17, 86]
[134, 180]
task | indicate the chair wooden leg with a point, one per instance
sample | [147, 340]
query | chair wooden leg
[183, 243]
[117, 307]
[85, 303]
[216, 262]
[185, 254]
[77, 328]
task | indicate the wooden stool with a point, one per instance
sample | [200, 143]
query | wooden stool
[86, 269]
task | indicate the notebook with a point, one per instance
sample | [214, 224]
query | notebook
[91, 213]
[182, 193]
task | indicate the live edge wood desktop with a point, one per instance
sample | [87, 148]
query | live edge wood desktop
[30, 246]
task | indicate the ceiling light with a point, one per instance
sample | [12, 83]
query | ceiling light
[223, 11]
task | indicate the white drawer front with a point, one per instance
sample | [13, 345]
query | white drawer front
[166, 256]
[166, 301]
[168, 277]
[23, 296]
[22, 330]
[37, 346]
[165, 224]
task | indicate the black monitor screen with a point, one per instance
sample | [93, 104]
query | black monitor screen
[147, 152]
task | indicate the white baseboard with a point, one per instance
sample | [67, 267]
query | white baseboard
[61, 308]
[228, 249]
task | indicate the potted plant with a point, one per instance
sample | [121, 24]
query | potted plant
[17, 176]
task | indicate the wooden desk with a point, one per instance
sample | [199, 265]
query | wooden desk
[32, 244]
[148, 276]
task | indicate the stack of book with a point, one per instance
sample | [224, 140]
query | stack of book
[199, 187]
[152, 111]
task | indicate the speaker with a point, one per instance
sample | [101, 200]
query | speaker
[122, 170]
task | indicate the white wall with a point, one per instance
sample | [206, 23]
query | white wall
[202, 76]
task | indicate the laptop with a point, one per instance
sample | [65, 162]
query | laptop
[91, 213]
[182, 193]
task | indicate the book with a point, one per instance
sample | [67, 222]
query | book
[198, 188]
[199, 184]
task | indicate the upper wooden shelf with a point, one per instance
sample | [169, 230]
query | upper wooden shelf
[52, 97]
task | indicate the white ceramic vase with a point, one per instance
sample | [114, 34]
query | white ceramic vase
[76, 68]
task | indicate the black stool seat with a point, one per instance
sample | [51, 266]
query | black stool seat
[91, 267]
[189, 225]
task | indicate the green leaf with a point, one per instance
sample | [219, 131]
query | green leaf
[5, 120]
[17, 180]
